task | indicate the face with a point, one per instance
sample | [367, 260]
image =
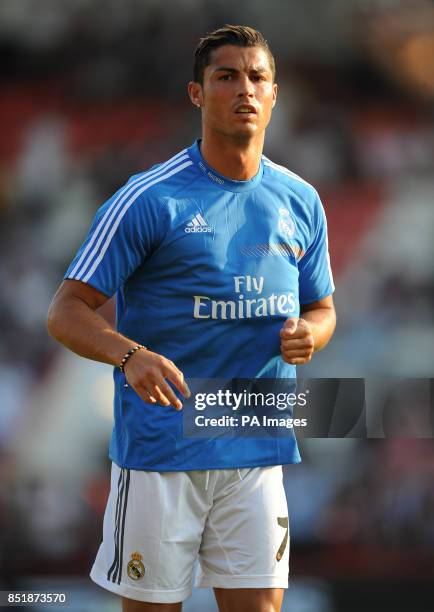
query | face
[238, 92]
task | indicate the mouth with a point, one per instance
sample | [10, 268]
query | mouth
[245, 109]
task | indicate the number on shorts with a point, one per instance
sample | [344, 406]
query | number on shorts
[283, 522]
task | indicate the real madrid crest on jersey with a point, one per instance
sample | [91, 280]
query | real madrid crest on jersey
[286, 223]
[135, 568]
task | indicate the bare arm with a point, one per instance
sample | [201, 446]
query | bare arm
[74, 322]
[300, 338]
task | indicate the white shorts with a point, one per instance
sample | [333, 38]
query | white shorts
[156, 524]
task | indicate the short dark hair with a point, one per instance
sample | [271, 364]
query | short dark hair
[241, 36]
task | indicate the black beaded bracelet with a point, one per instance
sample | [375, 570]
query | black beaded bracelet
[129, 354]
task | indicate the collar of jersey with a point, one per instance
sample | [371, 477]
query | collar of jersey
[218, 179]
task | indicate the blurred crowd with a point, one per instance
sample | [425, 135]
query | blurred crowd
[94, 91]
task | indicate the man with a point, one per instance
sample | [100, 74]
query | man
[210, 255]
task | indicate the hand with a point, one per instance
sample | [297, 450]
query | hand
[296, 341]
[146, 372]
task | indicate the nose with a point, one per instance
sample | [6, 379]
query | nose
[245, 87]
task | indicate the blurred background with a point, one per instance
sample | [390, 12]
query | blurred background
[93, 91]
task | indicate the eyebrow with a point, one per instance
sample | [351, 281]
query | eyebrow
[258, 70]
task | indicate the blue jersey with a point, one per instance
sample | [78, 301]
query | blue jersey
[206, 270]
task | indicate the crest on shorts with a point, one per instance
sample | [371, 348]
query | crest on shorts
[135, 567]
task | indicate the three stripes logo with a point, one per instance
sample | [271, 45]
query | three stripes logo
[115, 572]
[198, 225]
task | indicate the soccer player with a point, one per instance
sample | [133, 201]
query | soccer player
[219, 262]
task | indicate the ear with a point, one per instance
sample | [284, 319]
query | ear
[275, 89]
[195, 92]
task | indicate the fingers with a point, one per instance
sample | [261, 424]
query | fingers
[290, 325]
[147, 374]
[297, 360]
[157, 393]
[290, 332]
[297, 357]
[176, 377]
[144, 394]
[296, 341]
[297, 344]
[165, 395]
[147, 397]
[295, 350]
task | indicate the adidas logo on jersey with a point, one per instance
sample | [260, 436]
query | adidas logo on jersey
[198, 225]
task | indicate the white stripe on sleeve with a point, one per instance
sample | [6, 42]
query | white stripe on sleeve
[129, 187]
[124, 210]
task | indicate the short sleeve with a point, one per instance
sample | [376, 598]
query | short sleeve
[125, 231]
[315, 274]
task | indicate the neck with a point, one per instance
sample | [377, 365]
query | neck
[238, 160]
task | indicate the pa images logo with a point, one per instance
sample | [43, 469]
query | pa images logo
[135, 567]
